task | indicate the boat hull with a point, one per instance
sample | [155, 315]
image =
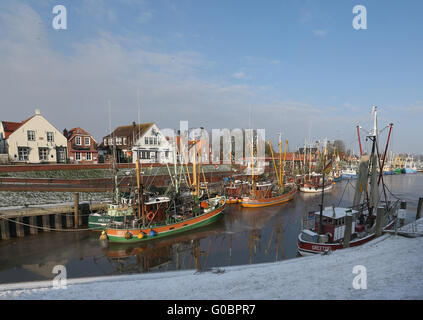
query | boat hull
[118, 235]
[348, 176]
[315, 189]
[257, 203]
[306, 248]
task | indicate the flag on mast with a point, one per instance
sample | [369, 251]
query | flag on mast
[328, 167]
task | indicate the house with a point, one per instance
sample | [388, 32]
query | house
[34, 140]
[82, 147]
[143, 141]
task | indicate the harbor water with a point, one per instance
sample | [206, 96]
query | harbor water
[242, 236]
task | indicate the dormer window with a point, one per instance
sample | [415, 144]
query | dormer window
[146, 140]
[78, 141]
[87, 141]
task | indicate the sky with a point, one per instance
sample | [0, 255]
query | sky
[292, 66]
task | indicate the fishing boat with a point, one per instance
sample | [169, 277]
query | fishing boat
[334, 228]
[121, 208]
[182, 212]
[349, 173]
[410, 166]
[314, 184]
[233, 191]
[263, 194]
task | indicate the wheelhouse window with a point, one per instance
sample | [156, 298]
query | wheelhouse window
[23, 153]
[31, 135]
[50, 137]
[43, 154]
[78, 141]
[87, 141]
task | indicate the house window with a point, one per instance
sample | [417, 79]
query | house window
[119, 141]
[23, 153]
[78, 141]
[50, 137]
[89, 157]
[31, 135]
[87, 141]
[167, 154]
[124, 141]
[146, 140]
[110, 142]
[105, 142]
[78, 156]
[151, 141]
[43, 154]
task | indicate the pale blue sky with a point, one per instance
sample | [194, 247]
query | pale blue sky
[298, 65]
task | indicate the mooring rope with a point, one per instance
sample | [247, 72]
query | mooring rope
[45, 228]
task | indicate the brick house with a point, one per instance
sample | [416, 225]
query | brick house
[82, 147]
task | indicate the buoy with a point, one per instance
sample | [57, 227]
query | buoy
[152, 233]
[128, 235]
[140, 235]
[103, 235]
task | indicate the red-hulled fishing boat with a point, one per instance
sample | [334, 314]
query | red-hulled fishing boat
[336, 228]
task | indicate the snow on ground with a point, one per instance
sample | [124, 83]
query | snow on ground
[394, 267]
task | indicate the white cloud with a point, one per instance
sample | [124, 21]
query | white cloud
[320, 32]
[145, 17]
[241, 76]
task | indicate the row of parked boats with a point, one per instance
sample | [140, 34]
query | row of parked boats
[142, 216]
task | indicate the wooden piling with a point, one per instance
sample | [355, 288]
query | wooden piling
[379, 220]
[76, 209]
[419, 208]
[348, 229]
[20, 232]
[46, 223]
[33, 225]
[403, 205]
[58, 221]
[5, 231]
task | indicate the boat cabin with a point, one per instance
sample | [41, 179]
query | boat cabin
[334, 222]
[262, 190]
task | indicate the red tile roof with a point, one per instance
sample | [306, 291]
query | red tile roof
[9, 126]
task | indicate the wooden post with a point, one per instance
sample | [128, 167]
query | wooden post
[348, 229]
[5, 231]
[379, 220]
[58, 221]
[46, 223]
[20, 232]
[76, 209]
[419, 208]
[33, 222]
[403, 205]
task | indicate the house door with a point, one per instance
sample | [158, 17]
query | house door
[61, 154]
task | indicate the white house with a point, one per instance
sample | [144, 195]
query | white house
[151, 146]
[34, 140]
